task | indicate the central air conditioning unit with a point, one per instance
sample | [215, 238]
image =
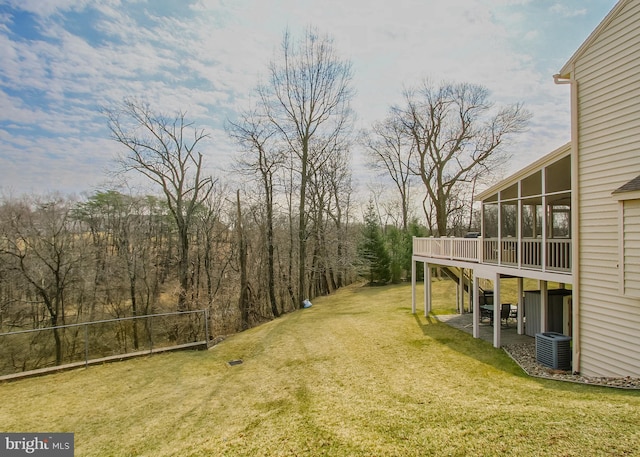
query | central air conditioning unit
[553, 350]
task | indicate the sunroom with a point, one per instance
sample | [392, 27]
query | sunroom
[526, 222]
[526, 228]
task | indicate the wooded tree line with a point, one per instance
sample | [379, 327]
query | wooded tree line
[293, 231]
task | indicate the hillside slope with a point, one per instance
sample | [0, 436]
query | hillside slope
[355, 375]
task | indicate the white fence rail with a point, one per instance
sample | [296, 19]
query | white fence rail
[524, 253]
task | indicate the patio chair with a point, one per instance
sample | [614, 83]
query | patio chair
[505, 313]
[486, 299]
[485, 314]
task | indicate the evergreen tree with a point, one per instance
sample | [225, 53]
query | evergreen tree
[414, 230]
[397, 247]
[373, 251]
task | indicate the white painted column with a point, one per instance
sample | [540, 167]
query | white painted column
[461, 292]
[471, 295]
[520, 306]
[519, 225]
[543, 242]
[427, 289]
[499, 228]
[413, 286]
[544, 301]
[496, 311]
[476, 306]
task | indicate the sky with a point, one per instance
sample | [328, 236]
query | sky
[61, 61]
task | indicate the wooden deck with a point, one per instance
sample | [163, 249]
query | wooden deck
[525, 253]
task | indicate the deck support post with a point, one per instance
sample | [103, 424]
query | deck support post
[496, 311]
[544, 301]
[476, 306]
[427, 289]
[413, 286]
[461, 292]
[471, 295]
[520, 306]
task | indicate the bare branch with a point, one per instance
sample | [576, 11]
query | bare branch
[159, 149]
[458, 137]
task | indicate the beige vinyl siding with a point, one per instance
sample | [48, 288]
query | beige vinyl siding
[631, 248]
[604, 164]
[608, 75]
[608, 55]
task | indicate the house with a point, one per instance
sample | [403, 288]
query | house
[572, 217]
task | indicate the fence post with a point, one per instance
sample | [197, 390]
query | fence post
[86, 345]
[206, 327]
[150, 335]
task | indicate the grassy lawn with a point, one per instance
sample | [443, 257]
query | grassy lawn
[355, 375]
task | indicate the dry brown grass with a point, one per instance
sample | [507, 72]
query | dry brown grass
[355, 375]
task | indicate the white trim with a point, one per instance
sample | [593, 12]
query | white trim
[621, 288]
[543, 251]
[568, 67]
[632, 195]
[519, 224]
[488, 271]
[534, 167]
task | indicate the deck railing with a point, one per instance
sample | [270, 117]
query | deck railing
[559, 255]
[525, 253]
[447, 248]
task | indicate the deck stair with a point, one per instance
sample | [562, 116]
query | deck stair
[454, 274]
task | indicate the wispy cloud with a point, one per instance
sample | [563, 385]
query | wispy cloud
[207, 56]
[565, 11]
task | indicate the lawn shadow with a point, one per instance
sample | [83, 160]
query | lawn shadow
[483, 351]
[464, 343]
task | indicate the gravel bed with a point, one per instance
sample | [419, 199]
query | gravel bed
[524, 355]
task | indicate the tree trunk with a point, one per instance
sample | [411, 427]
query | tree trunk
[302, 229]
[243, 302]
[183, 269]
[270, 248]
[134, 307]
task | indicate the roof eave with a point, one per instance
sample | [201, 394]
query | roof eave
[567, 69]
[562, 151]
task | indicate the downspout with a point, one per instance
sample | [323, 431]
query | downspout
[575, 216]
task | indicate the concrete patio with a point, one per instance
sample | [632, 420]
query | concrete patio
[464, 322]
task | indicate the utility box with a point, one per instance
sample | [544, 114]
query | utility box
[553, 350]
[558, 312]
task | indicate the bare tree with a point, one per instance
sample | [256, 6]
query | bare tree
[329, 208]
[307, 101]
[41, 243]
[255, 134]
[213, 242]
[391, 151]
[458, 136]
[339, 184]
[163, 149]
